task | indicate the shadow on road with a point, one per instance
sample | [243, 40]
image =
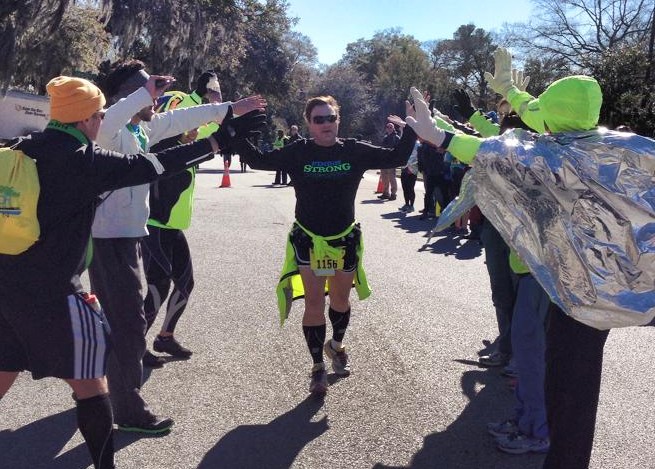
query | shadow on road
[464, 444]
[37, 444]
[411, 223]
[278, 442]
[453, 245]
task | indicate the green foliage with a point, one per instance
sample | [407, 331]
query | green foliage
[353, 94]
[74, 48]
[543, 71]
[389, 63]
[251, 45]
[18, 20]
[465, 58]
[627, 95]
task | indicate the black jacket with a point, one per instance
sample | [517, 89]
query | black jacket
[430, 161]
[72, 175]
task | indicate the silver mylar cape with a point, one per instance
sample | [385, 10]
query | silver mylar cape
[579, 208]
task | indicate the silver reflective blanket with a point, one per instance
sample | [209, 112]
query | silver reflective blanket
[579, 208]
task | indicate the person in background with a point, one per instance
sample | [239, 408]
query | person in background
[388, 175]
[408, 175]
[280, 175]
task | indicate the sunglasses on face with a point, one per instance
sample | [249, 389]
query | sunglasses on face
[323, 119]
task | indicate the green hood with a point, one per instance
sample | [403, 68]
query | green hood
[569, 104]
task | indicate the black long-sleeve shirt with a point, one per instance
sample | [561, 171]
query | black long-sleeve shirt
[72, 175]
[326, 179]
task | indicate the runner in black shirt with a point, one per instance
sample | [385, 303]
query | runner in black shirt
[325, 242]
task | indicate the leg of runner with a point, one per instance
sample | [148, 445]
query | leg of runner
[313, 324]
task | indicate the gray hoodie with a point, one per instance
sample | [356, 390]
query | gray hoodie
[125, 212]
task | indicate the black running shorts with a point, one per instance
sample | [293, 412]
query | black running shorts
[302, 243]
[62, 339]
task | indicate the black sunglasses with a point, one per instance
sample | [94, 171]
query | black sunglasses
[323, 119]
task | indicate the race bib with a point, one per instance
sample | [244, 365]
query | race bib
[326, 266]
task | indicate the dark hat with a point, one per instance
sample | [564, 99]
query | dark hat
[208, 80]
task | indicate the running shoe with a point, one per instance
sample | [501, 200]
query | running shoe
[410, 209]
[168, 344]
[150, 424]
[519, 443]
[503, 429]
[339, 358]
[494, 359]
[150, 360]
[318, 383]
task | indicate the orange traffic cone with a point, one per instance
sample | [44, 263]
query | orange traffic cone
[380, 188]
[225, 182]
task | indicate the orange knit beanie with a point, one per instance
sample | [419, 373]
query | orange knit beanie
[73, 99]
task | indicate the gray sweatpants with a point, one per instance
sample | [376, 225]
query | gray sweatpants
[115, 274]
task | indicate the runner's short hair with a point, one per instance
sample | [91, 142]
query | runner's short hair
[320, 101]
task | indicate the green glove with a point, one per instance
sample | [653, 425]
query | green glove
[501, 81]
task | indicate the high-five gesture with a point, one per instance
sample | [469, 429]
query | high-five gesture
[519, 81]
[251, 103]
[422, 122]
[501, 80]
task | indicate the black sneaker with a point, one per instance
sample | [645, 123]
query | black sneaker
[169, 345]
[383, 197]
[151, 424]
[151, 360]
[392, 197]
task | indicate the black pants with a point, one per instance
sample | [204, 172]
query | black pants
[574, 364]
[408, 181]
[115, 275]
[436, 190]
[166, 259]
[503, 291]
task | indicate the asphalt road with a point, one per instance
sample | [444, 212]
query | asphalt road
[416, 397]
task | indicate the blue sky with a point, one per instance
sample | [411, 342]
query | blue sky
[332, 24]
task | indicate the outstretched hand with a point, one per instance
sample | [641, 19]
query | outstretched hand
[234, 128]
[437, 113]
[463, 106]
[158, 84]
[251, 103]
[422, 122]
[396, 120]
[519, 80]
[501, 80]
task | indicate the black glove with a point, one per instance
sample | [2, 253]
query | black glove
[233, 128]
[463, 106]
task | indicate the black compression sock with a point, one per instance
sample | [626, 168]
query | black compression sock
[339, 322]
[95, 421]
[315, 336]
